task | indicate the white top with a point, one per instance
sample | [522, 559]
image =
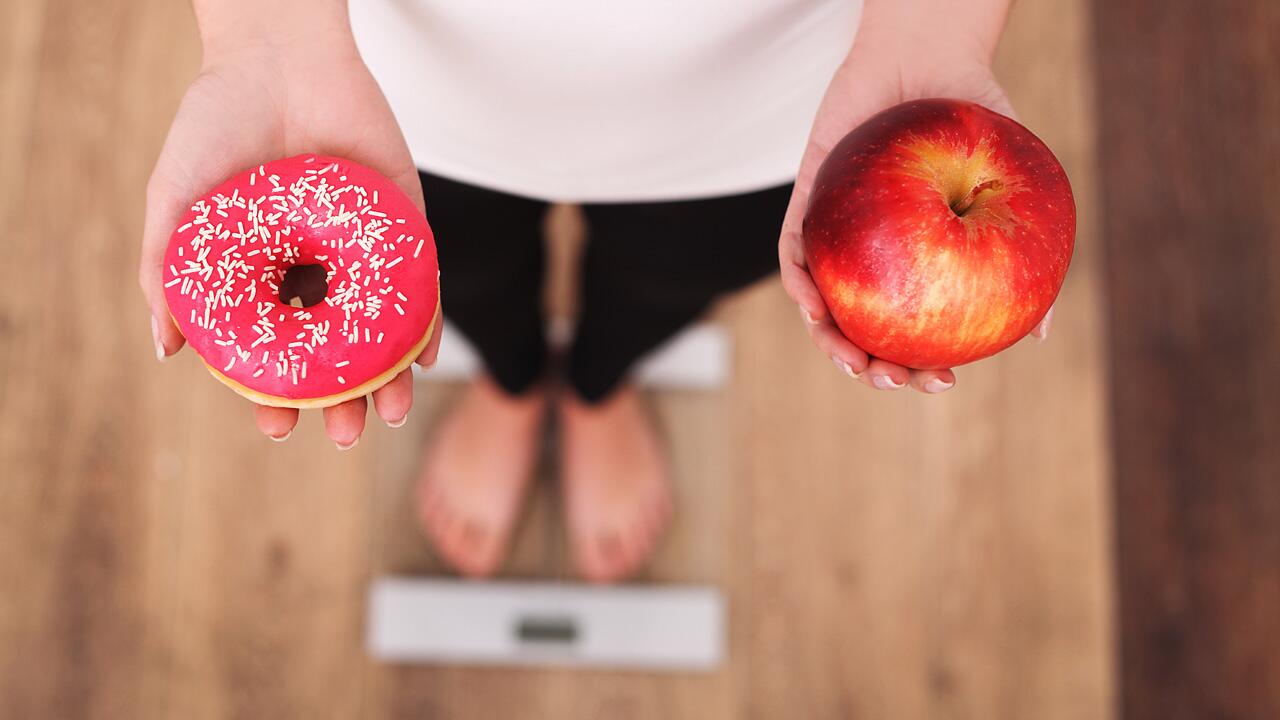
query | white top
[606, 100]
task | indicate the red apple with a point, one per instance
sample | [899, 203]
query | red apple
[939, 232]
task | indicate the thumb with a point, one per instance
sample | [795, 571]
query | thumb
[165, 205]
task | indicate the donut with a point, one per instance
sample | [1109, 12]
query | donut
[304, 282]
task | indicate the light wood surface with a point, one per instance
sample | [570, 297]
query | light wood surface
[884, 556]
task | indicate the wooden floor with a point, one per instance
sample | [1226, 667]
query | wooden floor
[1190, 149]
[884, 556]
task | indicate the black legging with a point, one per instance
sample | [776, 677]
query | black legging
[648, 270]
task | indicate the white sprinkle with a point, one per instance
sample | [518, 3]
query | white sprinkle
[174, 281]
[399, 309]
[419, 248]
[342, 380]
[344, 363]
[393, 263]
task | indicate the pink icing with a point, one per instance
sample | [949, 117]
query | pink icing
[225, 262]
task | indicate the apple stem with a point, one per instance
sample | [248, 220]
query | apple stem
[961, 206]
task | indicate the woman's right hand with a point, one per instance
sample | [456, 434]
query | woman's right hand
[291, 91]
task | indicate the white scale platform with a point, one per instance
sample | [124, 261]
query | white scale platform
[505, 623]
[695, 359]
[446, 621]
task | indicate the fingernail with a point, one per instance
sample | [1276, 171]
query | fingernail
[283, 437]
[155, 338]
[884, 382]
[937, 385]
[398, 423]
[844, 368]
[1043, 330]
[348, 447]
[807, 317]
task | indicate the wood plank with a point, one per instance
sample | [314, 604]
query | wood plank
[923, 557]
[85, 501]
[1189, 97]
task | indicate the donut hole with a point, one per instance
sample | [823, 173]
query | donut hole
[304, 285]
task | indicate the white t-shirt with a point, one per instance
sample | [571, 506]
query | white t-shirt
[606, 100]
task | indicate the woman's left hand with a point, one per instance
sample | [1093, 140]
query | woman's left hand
[877, 75]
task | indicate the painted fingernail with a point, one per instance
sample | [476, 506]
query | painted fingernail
[844, 368]
[283, 437]
[155, 339]
[348, 447]
[937, 385]
[398, 423]
[884, 382]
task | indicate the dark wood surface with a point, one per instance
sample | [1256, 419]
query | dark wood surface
[1189, 121]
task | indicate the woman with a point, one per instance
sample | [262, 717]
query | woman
[679, 125]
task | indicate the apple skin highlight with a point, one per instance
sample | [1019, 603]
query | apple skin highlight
[938, 233]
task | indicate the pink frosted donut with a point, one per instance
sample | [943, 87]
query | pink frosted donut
[375, 295]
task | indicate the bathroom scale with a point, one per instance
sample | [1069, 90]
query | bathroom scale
[450, 621]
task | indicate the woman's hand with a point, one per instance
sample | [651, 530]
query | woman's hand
[291, 91]
[903, 52]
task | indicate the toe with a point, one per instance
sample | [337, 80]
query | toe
[482, 550]
[610, 560]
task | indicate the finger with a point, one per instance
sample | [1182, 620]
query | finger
[343, 423]
[393, 400]
[851, 360]
[165, 205]
[798, 283]
[427, 358]
[932, 382]
[884, 375]
[1041, 331]
[274, 422]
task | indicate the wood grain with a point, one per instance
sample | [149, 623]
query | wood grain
[884, 556]
[1189, 99]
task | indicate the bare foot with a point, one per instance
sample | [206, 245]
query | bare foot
[615, 481]
[477, 468]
